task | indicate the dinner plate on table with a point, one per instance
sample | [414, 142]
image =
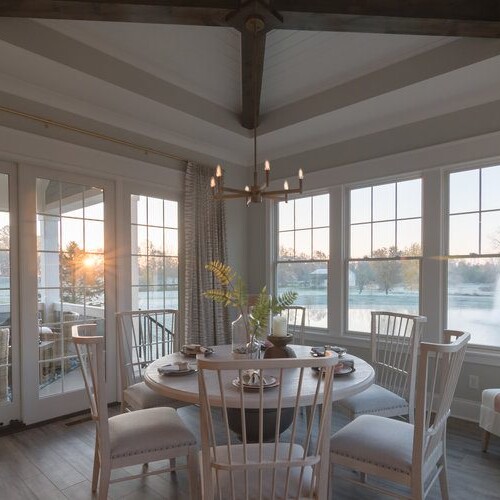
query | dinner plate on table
[191, 354]
[269, 382]
[345, 370]
[175, 372]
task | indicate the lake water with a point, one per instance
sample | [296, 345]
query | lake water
[475, 312]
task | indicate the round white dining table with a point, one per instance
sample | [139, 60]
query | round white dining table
[185, 387]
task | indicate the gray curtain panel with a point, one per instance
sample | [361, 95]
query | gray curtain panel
[205, 322]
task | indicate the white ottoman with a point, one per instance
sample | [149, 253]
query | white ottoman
[489, 417]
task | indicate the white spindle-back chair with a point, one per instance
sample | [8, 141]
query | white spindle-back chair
[132, 438]
[394, 345]
[292, 465]
[296, 319]
[413, 455]
[143, 337]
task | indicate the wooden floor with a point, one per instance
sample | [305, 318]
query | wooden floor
[54, 462]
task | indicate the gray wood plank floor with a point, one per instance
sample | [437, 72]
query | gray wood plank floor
[54, 462]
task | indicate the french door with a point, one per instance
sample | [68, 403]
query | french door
[10, 394]
[67, 278]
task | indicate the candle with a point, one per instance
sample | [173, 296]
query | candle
[280, 326]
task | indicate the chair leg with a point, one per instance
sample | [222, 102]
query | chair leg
[443, 480]
[417, 490]
[330, 480]
[97, 466]
[104, 482]
[193, 472]
[486, 440]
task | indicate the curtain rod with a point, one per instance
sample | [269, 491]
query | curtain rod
[90, 133]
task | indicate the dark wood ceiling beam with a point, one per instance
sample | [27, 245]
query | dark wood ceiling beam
[187, 12]
[252, 68]
[480, 18]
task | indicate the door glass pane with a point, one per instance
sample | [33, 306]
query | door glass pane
[70, 278]
[171, 216]
[5, 294]
[94, 203]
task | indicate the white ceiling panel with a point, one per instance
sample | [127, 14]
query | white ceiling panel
[202, 60]
[299, 64]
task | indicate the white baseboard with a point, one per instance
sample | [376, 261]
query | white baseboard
[465, 409]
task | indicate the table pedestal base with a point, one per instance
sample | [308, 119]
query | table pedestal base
[252, 423]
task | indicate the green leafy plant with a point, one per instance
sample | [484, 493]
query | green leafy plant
[233, 293]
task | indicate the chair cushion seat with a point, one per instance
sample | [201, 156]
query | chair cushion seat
[376, 400]
[267, 474]
[489, 416]
[491, 399]
[147, 431]
[376, 440]
[139, 396]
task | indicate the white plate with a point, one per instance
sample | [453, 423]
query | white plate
[344, 371]
[177, 373]
[270, 382]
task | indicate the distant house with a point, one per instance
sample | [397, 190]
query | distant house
[319, 278]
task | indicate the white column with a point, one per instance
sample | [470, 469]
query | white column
[433, 284]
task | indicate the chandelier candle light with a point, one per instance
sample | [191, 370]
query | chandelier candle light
[256, 192]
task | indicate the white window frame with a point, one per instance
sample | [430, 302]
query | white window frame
[347, 244]
[126, 190]
[310, 332]
[476, 352]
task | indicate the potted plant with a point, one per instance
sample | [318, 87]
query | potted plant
[249, 326]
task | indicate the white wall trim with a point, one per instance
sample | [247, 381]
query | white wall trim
[465, 409]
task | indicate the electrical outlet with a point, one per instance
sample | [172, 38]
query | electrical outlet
[474, 381]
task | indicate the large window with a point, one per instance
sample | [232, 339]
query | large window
[155, 275]
[474, 254]
[385, 238]
[303, 254]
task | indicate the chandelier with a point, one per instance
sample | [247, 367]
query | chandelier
[256, 192]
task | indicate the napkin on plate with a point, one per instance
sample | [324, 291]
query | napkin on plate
[252, 377]
[195, 349]
[344, 364]
[178, 366]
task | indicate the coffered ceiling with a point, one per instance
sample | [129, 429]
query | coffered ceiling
[177, 88]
